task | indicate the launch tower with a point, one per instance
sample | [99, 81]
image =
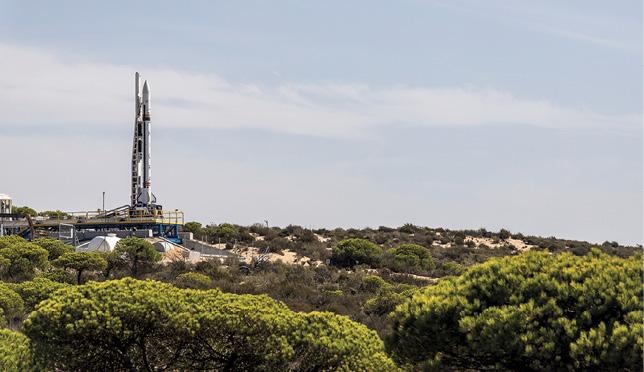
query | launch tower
[142, 198]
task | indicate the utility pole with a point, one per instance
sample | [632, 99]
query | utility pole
[104, 215]
[268, 246]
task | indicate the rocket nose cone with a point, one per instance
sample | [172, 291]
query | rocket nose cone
[146, 101]
[146, 90]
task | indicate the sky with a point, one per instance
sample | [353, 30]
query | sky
[456, 114]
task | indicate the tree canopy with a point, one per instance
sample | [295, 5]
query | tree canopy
[159, 326]
[224, 231]
[34, 291]
[535, 311]
[55, 247]
[328, 342]
[24, 211]
[8, 240]
[193, 227]
[20, 260]
[11, 305]
[81, 262]
[135, 253]
[15, 355]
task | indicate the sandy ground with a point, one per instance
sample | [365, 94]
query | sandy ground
[321, 238]
[292, 258]
[174, 256]
[420, 277]
[287, 257]
[479, 241]
[425, 278]
[518, 244]
[436, 243]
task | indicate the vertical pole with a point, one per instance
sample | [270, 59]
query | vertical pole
[104, 215]
[268, 246]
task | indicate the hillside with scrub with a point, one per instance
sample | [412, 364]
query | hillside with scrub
[296, 299]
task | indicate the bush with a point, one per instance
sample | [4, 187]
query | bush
[373, 283]
[21, 260]
[307, 236]
[36, 291]
[327, 341]
[504, 234]
[6, 241]
[55, 247]
[354, 251]
[193, 280]
[410, 258]
[534, 311]
[59, 276]
[15, 355]
[384, 303]
[11, 305]
[408, 228]
[193, 227]
[158, 326]
[259, 229]
[81, 262]
[137, 254]
[224, 232]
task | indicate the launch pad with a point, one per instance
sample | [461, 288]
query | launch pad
[85, 225]
[142, 217]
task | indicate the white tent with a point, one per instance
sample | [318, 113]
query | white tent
[163, 247]
[100, 244]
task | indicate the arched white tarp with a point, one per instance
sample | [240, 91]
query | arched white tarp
[101, 244]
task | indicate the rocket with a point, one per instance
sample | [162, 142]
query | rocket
[142, 197]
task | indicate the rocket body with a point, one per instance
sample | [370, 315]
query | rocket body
[142, 197]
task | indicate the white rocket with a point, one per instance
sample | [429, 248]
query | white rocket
[142, 197]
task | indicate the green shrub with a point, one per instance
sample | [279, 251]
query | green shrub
[6, 241]
[372, 283]
[408, 228]
[193, 280]
[59, 276]
[193, 227]
[81, 262]
[410, 258]
[136, 254]
[355, 251]
[15, 355]
[37, 290]
[11, 304]
[534, 311]
[158, 326]
[55, 247]
[504, 234]
[20, 261]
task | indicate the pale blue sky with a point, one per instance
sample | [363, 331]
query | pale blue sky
[461, 114]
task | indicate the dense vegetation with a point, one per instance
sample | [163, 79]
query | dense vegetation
[536, 311]
[158, 326]
[440, 299]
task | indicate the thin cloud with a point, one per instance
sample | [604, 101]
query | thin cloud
[39, 87]
[600, 30]
[592, 39]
